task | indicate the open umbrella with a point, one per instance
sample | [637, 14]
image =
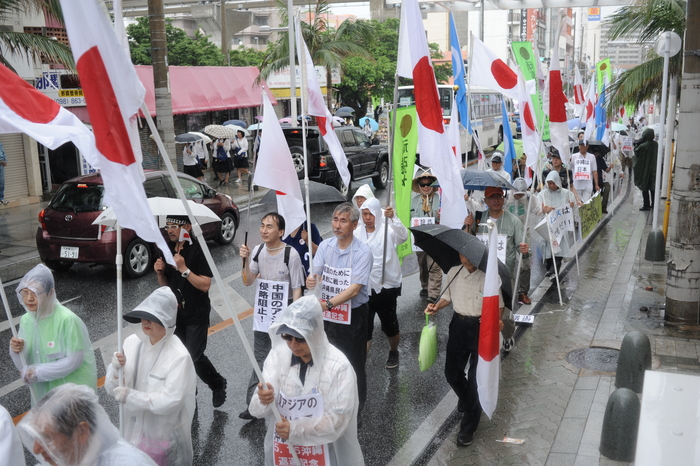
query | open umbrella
[240, 128]
[345, 109]
[444, 245]
[286, 120]
[220, 131]
[519, 150]
[597, 146]
[241, 123]
[204, 137]
[259, 118]
[344, 114]
[255, 127]
[187, 137]
[319, 193]
[574, 124]
[480, 180]
[374, 126]
[161, 208]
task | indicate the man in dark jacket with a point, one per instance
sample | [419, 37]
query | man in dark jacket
[644, 164]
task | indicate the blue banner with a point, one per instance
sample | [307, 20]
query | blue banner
[460, 81]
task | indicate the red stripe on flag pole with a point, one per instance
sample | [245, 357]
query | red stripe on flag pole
[111, 136]
[489, 341]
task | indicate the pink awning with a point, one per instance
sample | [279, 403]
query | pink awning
[207, 88]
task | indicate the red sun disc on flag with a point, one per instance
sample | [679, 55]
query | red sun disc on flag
[503, 74]
[528, 117]
[427, 98]
[26, 101]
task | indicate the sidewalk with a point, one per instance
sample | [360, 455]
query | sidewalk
[556, 406]
[18, 225]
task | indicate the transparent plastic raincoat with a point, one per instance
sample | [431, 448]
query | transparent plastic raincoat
[161, 379]
[10, 444]
[57, 346]
[70, 428]
[558, 198]
[331, 375]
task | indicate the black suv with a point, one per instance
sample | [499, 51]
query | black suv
[365, 159]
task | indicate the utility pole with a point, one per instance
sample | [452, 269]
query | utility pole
[683, 266]
[225, 44]
[161, 78]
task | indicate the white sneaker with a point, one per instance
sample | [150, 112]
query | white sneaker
[5, 202]
[508, 344]
[238, 180]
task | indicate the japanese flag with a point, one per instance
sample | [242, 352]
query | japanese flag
[487, 70]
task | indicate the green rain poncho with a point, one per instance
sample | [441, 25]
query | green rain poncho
[645, 161]
[57, 346]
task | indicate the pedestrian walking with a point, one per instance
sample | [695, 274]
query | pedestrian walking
[603, 170]
[68, 427]
[221, 160]
[585, 172]
[3, 164]
[190, 162]
[465, 294]
[313, 384]
[383, 294]
[517, 204]
[299, 240]
[425, 209]
[342, 267]
[644, 164]
[497, 167]
[54, 341]
[159, 382]
[190, 282]
[240, 155]
[552, 197]
[276, 270]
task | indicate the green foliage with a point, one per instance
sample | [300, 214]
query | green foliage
[648, 18]
[29, 46]
[246, 56]
[182, 50]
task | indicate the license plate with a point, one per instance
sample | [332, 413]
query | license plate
[68, 252]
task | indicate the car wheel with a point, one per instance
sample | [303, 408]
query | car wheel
[298, 159]
[227, 230]
[382, 180]
[138, 258]
[58, 266]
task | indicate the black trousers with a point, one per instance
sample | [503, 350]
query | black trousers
[648, 198]
[463, 348]
[352, 341]
[383, 304]
[194, 337]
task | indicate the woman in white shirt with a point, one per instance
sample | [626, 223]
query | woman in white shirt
[240, 158]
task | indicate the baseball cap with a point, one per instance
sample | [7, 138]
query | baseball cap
[496, 159]
[289, 331]
[135, 316]
[490, 191]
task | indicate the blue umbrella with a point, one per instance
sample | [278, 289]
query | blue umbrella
[374, 126]
[241, 123]
[573, 124]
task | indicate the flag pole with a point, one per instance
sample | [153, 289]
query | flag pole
[22, 359]
[392, 137]
[119, 260]
[251, 181]
[197, 230]
[554, 261]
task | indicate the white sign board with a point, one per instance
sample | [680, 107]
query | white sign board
[280, 79]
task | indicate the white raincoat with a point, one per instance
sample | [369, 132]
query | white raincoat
[57, 345]
[10, 444]
[331, 375]
[397, 234]
[558, 198]
[58, 425]
[161, 403]
[364, 191]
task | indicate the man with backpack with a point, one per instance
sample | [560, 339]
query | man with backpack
[276, 270]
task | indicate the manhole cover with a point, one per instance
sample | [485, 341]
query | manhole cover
[594, 359]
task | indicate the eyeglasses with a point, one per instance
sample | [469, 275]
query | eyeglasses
[424, 185]
[171, 227]
[289, 338]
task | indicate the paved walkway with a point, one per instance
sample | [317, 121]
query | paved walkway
[555, 406]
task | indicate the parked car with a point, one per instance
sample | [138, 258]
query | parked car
[66, 234]
[365, 158]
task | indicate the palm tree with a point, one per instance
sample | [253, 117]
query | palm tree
[31, 46]
[647, 18]
[328, 46]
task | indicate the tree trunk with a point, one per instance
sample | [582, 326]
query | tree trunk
[683, 267]
[329, 89]
[161, 79]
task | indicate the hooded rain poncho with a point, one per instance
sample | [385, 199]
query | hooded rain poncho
[331, 375]
[396, 235]
[74, 430]
[644, 161]
[161, 403]
[558, 198]
[57, 346]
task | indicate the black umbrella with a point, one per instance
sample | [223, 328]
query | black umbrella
[320, 193]
[187, 137]
[597, 146]
[444, 245]
[344, 114]
[479, 179]
[241, 123]
[345, 109]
